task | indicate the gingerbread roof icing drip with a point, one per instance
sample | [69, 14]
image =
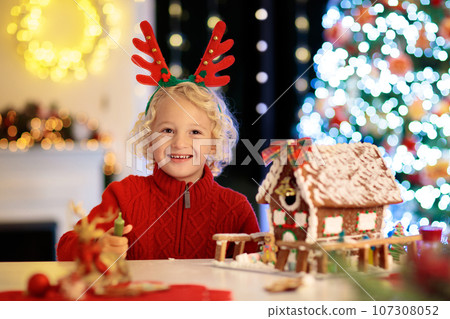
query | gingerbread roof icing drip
[269, 183]
[354, 175]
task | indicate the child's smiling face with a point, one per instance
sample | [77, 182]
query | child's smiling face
[181, 122]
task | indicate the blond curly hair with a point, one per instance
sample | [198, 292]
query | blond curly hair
[224, 129]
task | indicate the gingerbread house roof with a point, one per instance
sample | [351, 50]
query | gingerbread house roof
[344, 176]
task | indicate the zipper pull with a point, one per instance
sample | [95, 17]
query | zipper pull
[187, 197]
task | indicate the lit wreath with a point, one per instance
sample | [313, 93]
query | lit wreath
[43, 59]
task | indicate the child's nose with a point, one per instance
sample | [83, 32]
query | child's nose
[180, 141]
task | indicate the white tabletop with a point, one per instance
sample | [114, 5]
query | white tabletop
[244, 284]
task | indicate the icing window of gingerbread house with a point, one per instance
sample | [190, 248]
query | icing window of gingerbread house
[300, 219]
[332, 225]
[366, 221]
[279, 217]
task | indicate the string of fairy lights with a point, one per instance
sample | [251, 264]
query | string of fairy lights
[58, 130]
[264, 74]
[177, 41]
[302, 52]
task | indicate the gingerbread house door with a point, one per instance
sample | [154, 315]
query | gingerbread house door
[289, 236]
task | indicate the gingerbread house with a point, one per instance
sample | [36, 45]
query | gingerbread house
[334, 191]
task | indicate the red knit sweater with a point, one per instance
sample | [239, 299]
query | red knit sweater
[164, 226]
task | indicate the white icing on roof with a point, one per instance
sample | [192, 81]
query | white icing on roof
[313, 221]
[350, 175]
[269, 183]
[354, 175]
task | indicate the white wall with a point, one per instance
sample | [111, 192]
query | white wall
[113, 96]
[33, 195]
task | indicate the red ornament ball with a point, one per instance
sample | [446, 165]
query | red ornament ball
[38, 285]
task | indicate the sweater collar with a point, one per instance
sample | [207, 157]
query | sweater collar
[172, 187]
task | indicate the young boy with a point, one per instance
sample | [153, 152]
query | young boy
[175, 212]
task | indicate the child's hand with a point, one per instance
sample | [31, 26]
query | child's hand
[110, 243]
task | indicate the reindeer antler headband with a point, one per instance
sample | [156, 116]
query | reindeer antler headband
[205, 75]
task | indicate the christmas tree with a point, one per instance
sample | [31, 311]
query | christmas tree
[383, 78]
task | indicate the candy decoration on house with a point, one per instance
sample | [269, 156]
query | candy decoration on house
[269, 250]
[205, 75]
[397, 250]
[296, 152]
[341, 238]
[285, 188]
[382, 77]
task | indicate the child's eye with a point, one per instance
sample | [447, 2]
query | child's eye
[196, 132]
[167, 130]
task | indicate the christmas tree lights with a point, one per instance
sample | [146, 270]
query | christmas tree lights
[383, 78]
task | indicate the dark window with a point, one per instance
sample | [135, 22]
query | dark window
[290, 200]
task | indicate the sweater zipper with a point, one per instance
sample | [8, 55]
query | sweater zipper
[187, 204]
[187, 197]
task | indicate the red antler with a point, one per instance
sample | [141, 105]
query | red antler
[151, 48]
[207, 70]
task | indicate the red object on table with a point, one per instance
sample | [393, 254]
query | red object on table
[431, 233]
[175, 293]
[38, 285]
